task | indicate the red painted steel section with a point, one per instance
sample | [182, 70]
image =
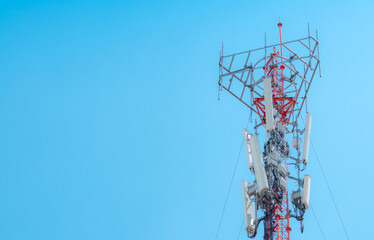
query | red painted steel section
[284, 106]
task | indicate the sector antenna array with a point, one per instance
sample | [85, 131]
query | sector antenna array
[273, 82]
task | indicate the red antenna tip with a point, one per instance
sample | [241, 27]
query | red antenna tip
[279, 24]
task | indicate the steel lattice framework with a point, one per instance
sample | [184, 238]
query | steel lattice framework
[291, 67]
[244, 80]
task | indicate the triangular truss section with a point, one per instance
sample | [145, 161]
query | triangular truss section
[242, 75]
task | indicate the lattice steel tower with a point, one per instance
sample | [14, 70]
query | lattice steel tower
[273, 82]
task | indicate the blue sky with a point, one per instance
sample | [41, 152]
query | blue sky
[111, 127]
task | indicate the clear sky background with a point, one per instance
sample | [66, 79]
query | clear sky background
[111, 127]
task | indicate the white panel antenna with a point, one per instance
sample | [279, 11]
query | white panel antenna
[308, 124]
[247, 137]
[306, 191]
[250, 214]
[268, 93]
[258, 164]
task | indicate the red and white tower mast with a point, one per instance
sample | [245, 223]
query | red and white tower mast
[275, 88]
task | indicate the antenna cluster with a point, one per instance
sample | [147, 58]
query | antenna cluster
[273, 82]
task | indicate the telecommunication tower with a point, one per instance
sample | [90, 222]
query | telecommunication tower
[273, 82]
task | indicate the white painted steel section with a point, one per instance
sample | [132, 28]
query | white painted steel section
[268, 93]
[308, 126]
[250, 214]
[258, 164]
[247, 136]
[306, 191]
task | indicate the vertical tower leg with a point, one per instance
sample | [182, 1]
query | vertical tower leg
[281, 219]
